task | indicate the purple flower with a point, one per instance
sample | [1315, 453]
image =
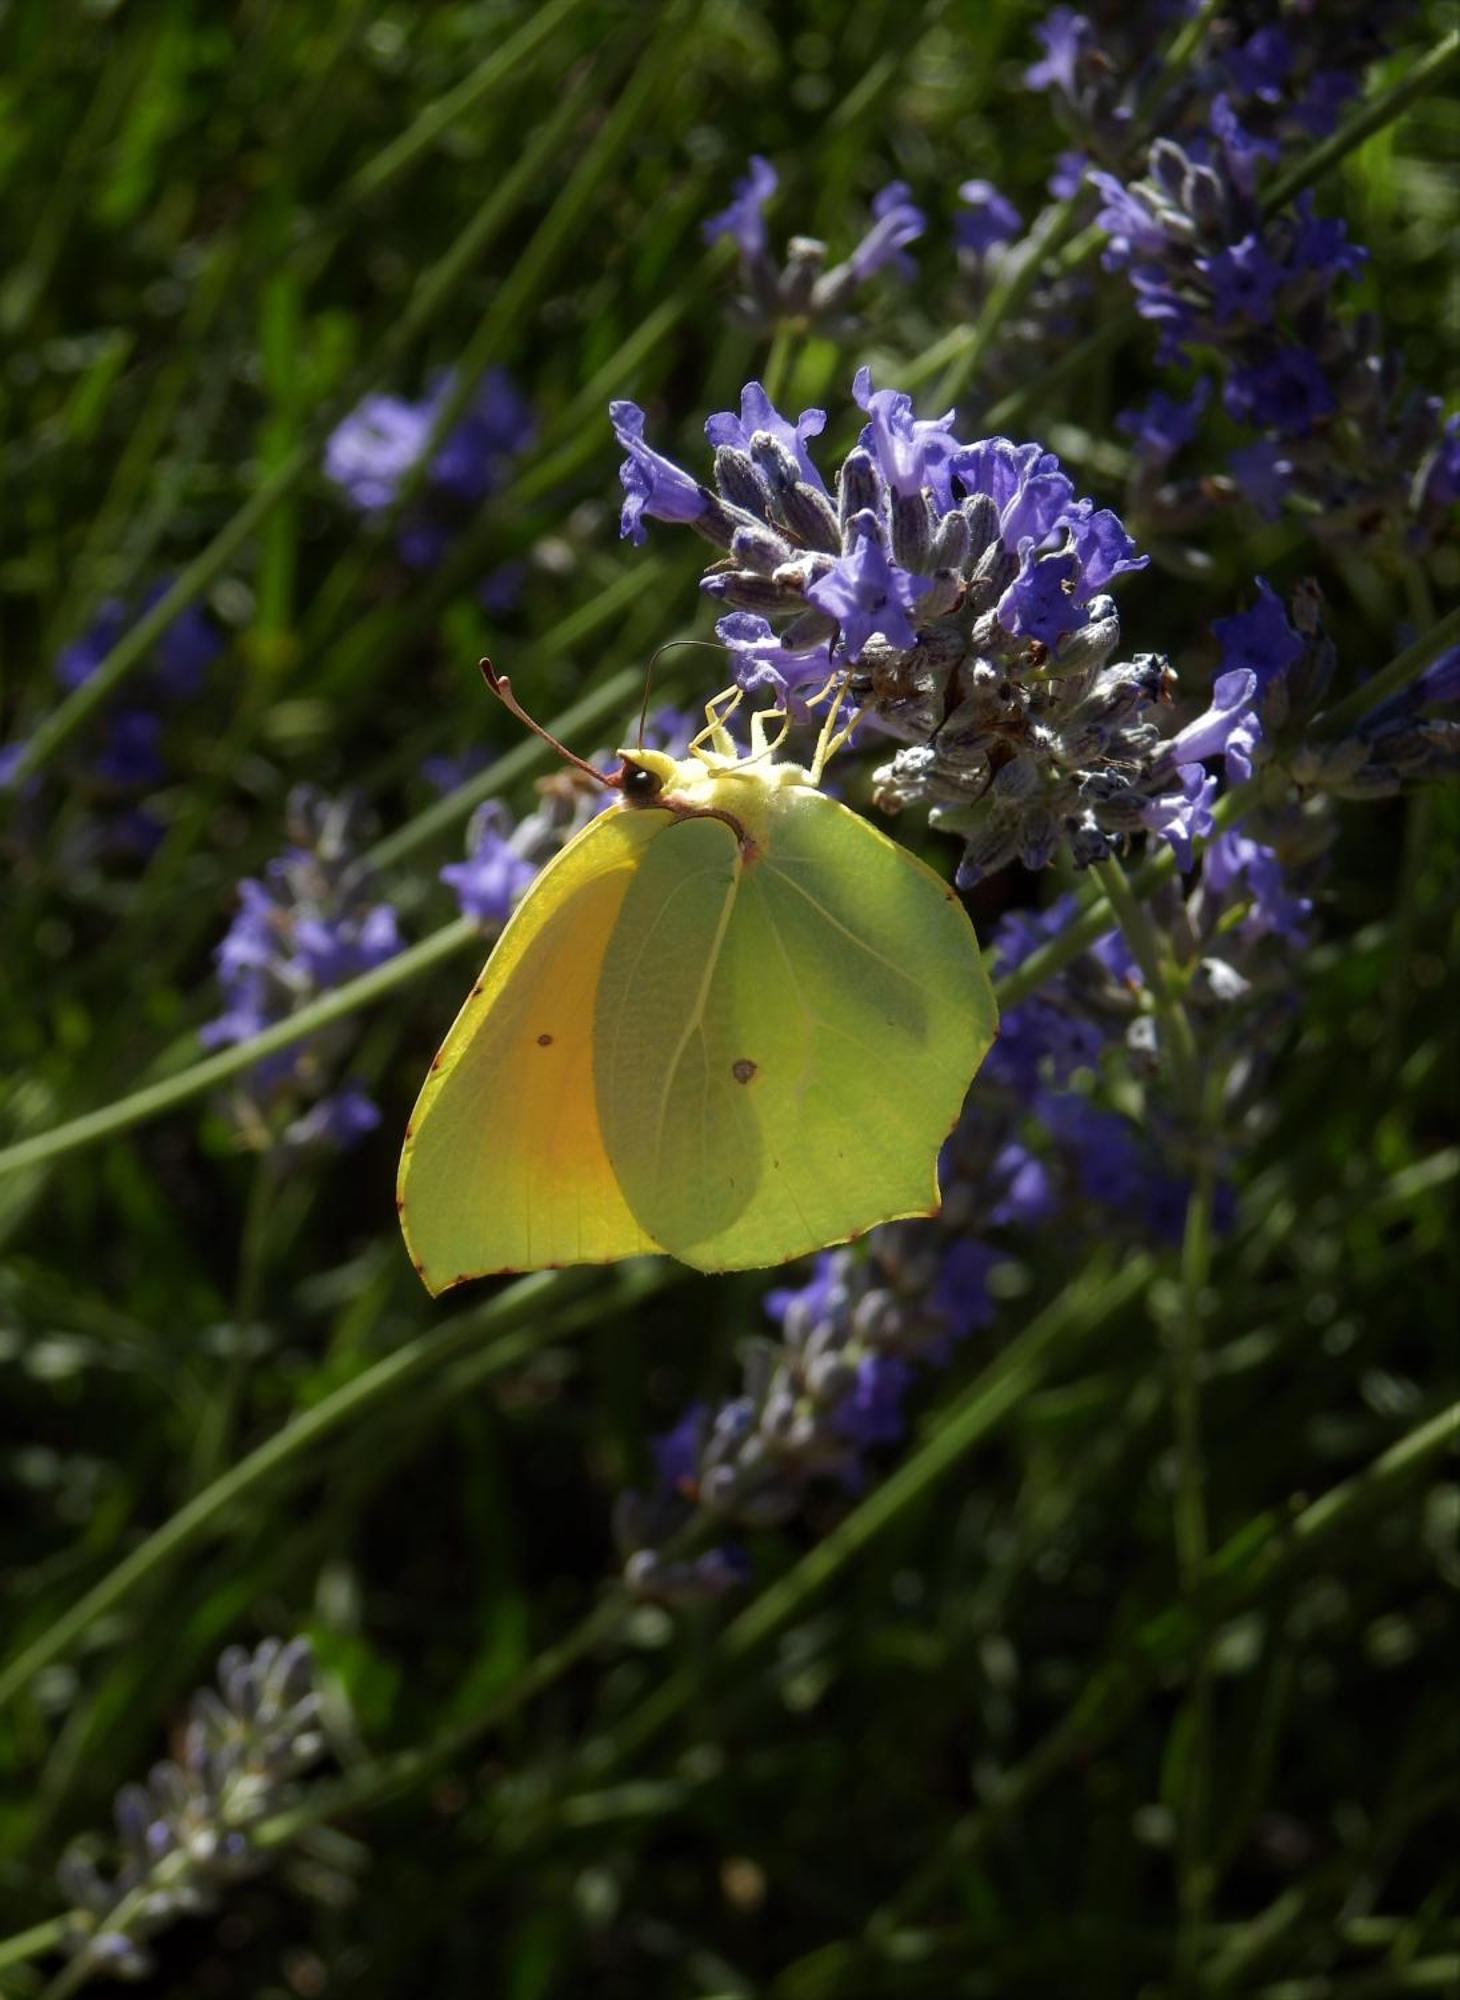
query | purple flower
[743, 218]
[474, 458]
[652, 484]
[337, 1120]
[1322, 243]
[329, 951]
[1023, 481]
[1063, 35]
[1102, 548]
[1242, 153]
[896, 223]
[370, 452]
[1026, 1193]
[1260, 66]
[960, 1294]
[1233, 862]
[1040, 602]
[1260, 640]
[501, 588]
[866, 592]
[187, 647]
[1262, 471]
[763, 663]
[759, 413]
[820, 1298]
[1182, 816]
[1288, 392]
[1328, 94]
[131, 754]
[444, 773]
[912, 452]
[79, 661]
[1244, 281]
[1163, 424]
[1131, 225]
[677, 1451]
[422, 543]
[491, 880]
[1069, 174]
[871, 1413]
[991, 218]
[1229, 727]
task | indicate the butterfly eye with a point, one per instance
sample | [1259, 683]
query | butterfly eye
[640, 786]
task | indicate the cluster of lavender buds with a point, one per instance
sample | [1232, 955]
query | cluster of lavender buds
[802, 292]
[1286, 649]
[372, 453]
[1335, 430]
[188, 1832]
[125, 757]
[1290, 72]
[312, 923]
[957, 593]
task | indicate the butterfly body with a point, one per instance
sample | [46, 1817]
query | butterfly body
[730, 1021]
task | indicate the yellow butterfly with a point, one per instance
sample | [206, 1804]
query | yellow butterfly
[730, 1021]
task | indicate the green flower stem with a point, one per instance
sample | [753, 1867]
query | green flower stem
[201, 1077]
[432, 293]
[1362, 124]
[1002, 1387]
[434, 120]
[1178, 1043]
[516, 1322]
[1391, 680]
[984, 1405]
[34, 1943]
[1236, 1575]
[530, 268]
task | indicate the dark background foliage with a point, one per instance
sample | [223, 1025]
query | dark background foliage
[990, 1724]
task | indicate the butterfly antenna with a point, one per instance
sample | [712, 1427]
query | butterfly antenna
[501, 687]
[716, 645]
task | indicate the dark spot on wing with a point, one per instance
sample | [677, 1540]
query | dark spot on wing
[435, 1064]
[544, 1041]
[743, 1069]
[400, 1204]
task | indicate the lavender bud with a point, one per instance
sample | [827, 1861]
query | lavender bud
[740, 482]
[945, 595]
[833, 290]
[982, 517]
[811, 517]
[1206, 202]
[776, 465]
[1038, 838]
[749, 592]
[1018, 779]
[912, 531]
[1169, 167]
[805, 256]
[1092, 643]
[859, 487]
[760, 549]
[952, 540]
[992, 847]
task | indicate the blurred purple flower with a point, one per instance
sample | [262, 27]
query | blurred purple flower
[896, 223]
[743, 219]
[988, 218]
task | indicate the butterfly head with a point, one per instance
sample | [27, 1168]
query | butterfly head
[644, 776]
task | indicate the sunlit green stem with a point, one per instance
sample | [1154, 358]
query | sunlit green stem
[1177, 1040]
[520, 1306]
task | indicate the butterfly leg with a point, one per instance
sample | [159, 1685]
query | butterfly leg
[714, 732]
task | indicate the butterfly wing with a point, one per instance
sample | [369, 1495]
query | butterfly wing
[783, 1044]
[504, 1166]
